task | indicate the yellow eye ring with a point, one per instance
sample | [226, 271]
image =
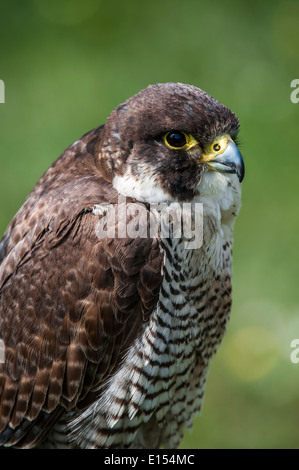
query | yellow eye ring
[178, 140]
[175, 139]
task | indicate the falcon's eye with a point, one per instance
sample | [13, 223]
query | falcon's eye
[216, 147]
[175, 139]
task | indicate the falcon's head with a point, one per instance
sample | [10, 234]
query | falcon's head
[171, 142]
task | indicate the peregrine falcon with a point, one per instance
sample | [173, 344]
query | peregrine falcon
[108, 340]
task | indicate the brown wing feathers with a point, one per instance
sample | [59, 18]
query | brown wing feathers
[70, 303]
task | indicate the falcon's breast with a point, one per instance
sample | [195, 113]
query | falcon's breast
[160, 385]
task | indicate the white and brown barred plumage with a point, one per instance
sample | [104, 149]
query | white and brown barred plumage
[108, 341]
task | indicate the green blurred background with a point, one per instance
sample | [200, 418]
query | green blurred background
[66, 64]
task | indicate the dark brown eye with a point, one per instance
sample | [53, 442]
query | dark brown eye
[175, 139]
[216, 147]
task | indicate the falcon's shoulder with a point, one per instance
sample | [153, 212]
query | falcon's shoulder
[71, 303]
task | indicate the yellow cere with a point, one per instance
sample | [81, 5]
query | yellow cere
[216, 147]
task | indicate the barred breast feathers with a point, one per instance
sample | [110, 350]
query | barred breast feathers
[164, 371]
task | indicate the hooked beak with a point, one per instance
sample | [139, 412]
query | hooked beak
[227, 158]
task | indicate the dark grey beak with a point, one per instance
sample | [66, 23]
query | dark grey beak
[230, 161]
